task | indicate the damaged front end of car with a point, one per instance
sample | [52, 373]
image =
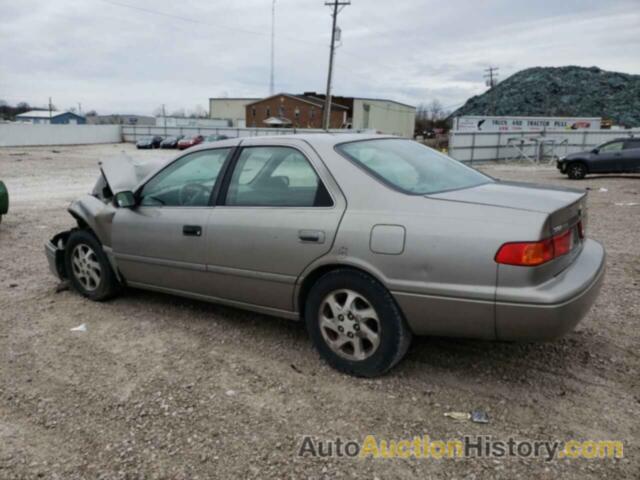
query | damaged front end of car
[94, 212]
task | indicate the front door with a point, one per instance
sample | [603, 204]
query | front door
[279, 211]
[161, 242]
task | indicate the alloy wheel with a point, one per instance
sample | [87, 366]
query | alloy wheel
[349, 325]
[86, 267]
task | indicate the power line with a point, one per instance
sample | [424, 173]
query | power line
[336, 4]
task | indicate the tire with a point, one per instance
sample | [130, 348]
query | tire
[577, 171]
[88, 268]
[373, 313]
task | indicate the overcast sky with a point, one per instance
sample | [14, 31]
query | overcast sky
[112, 58]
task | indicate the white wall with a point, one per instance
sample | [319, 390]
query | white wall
[26, 134]
[132, 133]
[384, 116]
[487, 146]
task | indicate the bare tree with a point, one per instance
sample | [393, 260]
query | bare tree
[198, 112]
[158, 111]
[436, 112]
[180, 113]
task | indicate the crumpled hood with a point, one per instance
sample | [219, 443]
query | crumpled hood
[124, 174]
[517, 195]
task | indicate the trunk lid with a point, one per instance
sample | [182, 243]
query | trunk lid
[565, 207]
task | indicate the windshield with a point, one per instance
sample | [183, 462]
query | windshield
[411, 167]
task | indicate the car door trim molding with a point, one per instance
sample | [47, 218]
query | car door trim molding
[199, 267]
[240, 272]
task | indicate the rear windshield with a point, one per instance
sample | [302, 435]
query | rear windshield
[411, 167]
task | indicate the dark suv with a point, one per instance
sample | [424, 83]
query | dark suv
[621, 155]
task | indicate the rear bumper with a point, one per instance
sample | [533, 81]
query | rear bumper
[541, 312]
[556, 306]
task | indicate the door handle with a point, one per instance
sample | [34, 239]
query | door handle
[311, 236]
[192, 230]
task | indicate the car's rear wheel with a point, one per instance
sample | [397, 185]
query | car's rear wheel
[88, 268]
[577, 171]
[355, 324]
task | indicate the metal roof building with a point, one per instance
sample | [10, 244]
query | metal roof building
[45, 117]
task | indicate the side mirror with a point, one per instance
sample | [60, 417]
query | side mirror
[595, 150]
[125, 200]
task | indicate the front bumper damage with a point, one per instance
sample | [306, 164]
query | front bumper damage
[54, 250]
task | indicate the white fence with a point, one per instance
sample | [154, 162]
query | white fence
[132, 133]
[26, 134]
[536, 146]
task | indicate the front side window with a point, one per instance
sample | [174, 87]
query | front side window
[275, 177]
[611, 147]
[187, 182]
[411, 167]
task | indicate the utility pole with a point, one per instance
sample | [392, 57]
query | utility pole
[337, 5]
[50, 109]
[164, 118]
[491, 75]
[273, 47]
[79, 108]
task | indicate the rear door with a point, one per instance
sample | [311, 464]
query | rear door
[162, 242]
[631, 155]
[609, 158]
[279, 210]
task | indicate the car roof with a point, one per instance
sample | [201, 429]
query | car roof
[314, 139]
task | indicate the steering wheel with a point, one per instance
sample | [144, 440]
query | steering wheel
[191, 192]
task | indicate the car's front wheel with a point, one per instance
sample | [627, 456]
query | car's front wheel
[355, 324]
[88, 268]
[577, 171]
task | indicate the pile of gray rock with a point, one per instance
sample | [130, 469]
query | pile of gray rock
[562, 91]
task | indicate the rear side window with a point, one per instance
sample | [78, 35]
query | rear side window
[275, 177]
[411, 167]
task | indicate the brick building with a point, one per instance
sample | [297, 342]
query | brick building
[296, 111]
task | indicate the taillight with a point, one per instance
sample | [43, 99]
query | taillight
[562, 243]
[525, 253]
[530, 254]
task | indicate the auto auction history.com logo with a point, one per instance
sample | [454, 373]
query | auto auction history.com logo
[480, 446]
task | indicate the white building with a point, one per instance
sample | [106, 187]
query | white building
[385, 116]
[232, 109]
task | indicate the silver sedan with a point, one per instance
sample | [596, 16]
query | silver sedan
[368, 239]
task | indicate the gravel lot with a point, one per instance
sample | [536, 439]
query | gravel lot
[163, 387]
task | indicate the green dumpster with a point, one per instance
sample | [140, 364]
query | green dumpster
[4, 200]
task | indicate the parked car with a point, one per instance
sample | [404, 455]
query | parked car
[149, 142]
[190, 142]
[368, 239]
[215, 138]
[4, 200]
[621, 155]
[171, 142]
